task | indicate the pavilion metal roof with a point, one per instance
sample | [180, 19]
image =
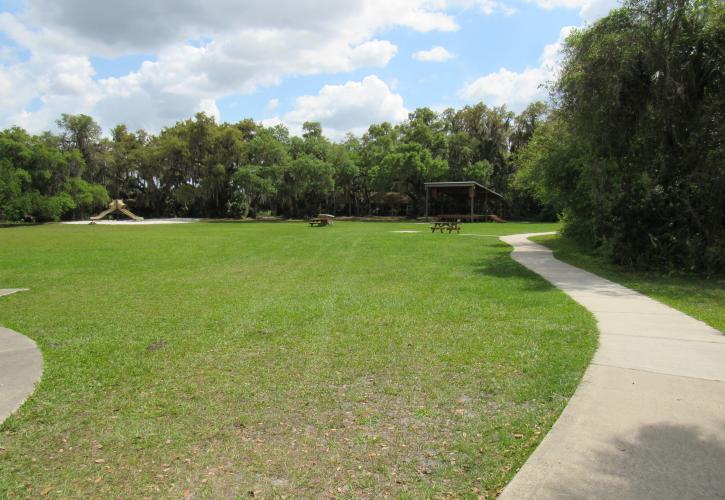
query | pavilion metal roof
[453, 184]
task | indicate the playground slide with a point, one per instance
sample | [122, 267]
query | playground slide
[102, 214]
[117, 206]
[129, 214]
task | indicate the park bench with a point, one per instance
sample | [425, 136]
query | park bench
[449, 226]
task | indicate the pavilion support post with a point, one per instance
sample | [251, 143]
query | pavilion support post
[472, 196]
[426, 203]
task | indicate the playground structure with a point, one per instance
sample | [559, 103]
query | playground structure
[117, 206]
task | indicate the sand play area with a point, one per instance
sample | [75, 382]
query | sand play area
[134, 222]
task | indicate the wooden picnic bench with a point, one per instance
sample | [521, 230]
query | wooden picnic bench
[321, 220]
[317, 222]
[449, 226]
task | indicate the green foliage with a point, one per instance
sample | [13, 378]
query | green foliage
[407, 167]
[634, 156]
[87, 198]
[253, 187]
[198, 167]
[481, 172]
[527, 123]
[82, 133]
[50, 208]
[308, 183]
[39, 180]
[550, 166]
[11, 188]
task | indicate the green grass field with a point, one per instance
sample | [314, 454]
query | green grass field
[700, 297]
[229, 359]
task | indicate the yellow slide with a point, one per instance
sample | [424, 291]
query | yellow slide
[117, 206]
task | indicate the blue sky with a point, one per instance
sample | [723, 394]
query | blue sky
[345, 64]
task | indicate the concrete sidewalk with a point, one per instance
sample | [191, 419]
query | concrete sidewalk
[648, 419]
[21, 365]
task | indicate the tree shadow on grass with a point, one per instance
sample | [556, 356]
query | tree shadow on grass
[504, 267]
[664, 461]
[677, 286]
[678, 289]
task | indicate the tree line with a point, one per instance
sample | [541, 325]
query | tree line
[201, 168]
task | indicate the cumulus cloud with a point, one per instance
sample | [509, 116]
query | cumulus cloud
[488, 7]
[149, 25]
[589, 10]
[56, 84]
[202, 51]
[595, 9]
[185, 77]
[435, 54]
[351, 107]
[517, 89]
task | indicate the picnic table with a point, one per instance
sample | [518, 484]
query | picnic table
[321, 220]
[449, 226]
[317, 222]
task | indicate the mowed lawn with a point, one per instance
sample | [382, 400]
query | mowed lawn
[236, 359]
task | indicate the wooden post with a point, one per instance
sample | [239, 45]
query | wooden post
[426, 203]
[472, 196]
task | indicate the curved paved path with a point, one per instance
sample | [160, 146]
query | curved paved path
[21, 365]
[648, 419]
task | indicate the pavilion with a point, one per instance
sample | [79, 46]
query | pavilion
[452, 196]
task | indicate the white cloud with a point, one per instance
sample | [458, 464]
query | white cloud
[517, 89]
[488, 7]
[435, 54]
[506, 87]
[351, 107]
[201, 52]
[556, 4]
[589, 10]
[272, 104]
[596, 9]
[60, 84]
[134, 26]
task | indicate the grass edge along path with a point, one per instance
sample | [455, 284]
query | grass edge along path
[218, 359]
[21, 366]
[703, 298]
